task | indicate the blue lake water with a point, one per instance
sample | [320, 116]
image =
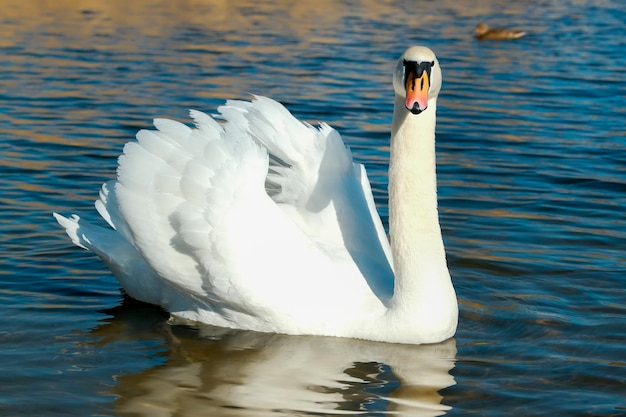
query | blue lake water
[531, 142]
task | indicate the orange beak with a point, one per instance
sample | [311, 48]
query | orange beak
[417, 91]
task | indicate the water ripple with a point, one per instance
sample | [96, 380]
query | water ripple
[532, 186]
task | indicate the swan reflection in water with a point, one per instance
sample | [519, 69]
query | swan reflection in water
[211, 371]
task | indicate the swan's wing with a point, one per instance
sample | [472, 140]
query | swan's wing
[305, 162]
[313, 179]
[193, 203]
[377, 222]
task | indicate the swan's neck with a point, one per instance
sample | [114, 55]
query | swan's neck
[421, 272]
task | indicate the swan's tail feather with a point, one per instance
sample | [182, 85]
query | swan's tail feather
[72, 229]
[104, 242]
[131, 270]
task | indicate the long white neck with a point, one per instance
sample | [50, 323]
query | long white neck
[422, 277]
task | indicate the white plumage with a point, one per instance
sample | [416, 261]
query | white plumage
[263, 222]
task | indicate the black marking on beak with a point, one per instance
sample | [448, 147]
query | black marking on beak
[412, 67]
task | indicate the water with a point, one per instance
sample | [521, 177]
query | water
[532, 174]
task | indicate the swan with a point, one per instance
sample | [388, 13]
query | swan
[254, 220]
[483, 31]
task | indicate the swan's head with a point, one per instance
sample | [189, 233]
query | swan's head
[417, 78]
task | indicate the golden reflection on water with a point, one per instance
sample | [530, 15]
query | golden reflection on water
[304, 20]
[156, 18]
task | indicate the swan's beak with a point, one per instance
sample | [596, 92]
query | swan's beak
[417, 83]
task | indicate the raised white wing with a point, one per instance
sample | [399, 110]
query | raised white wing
[256, 222]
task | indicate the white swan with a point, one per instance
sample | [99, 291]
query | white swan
[264, 223]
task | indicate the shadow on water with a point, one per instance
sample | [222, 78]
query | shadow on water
[214, 371]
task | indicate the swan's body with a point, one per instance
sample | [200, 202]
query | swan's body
[265, 223]
[483, 31]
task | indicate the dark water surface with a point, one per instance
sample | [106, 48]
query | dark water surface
[532, 174]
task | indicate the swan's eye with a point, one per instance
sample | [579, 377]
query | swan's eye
[432, 64]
